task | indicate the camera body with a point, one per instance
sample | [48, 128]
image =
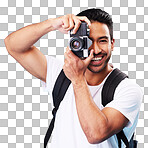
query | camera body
[79, 42]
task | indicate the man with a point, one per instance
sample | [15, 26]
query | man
[81, 120]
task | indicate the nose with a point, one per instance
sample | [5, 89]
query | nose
[95, 47]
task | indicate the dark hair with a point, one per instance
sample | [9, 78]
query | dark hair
[99, 15]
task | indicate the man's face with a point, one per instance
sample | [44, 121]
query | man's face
[102, 46]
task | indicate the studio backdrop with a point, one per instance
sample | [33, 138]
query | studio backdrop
[25, 110]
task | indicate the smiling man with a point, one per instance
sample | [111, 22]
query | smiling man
[81, 120]
[102, 46]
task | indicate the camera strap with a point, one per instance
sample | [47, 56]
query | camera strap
[61, 85]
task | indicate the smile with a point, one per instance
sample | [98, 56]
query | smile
[97, 59]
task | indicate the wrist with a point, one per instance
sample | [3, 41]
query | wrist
[46, 26]
[80, 82]
[55, 23]
[51, 24]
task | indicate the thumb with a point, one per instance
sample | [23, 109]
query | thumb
[87, 60]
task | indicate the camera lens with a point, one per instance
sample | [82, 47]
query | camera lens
[76, 44]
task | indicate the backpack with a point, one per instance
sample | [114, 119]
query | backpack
[61, 85]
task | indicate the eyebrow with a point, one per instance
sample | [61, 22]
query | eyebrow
[102, 37]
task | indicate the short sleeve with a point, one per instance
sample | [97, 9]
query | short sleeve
[127, 99]
[54, 67]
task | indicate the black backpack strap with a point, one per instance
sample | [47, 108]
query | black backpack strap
[121, 136]
[110, 85]
[61, 85]
[131, 144]
[108, 91]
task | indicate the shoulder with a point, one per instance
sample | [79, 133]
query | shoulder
[127, 99]
[129, 95]
[54, 66]
[128, 86]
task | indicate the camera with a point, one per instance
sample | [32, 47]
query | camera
[79, 42]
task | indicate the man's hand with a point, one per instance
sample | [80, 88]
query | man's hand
[67, 22]
[74, 68]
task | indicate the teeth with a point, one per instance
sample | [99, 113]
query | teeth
[97, 59]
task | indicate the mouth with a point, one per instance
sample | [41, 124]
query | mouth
[97, 60]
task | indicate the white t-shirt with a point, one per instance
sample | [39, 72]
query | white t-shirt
[67, 131]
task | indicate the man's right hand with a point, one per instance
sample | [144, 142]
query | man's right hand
[67, 22]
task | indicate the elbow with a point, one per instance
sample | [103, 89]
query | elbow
[94, 139]
[6, 41]
[8, 45]
[97, 136]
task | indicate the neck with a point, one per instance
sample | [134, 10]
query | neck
[97, 78]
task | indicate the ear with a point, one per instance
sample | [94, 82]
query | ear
[112, 44]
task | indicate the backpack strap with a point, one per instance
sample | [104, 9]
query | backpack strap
[108, 91]
[61, 85]
[121, 136]
[110, 85]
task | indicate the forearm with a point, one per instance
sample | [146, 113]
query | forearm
[92, 120]
[22, 39]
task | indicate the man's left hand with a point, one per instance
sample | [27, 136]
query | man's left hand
[74, 68]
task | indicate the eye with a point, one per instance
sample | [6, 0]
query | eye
[103, 41]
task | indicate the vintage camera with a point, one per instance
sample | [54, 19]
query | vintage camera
[79, 42]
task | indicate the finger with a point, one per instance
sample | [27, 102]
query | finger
[67, 48]
[84, 18]
[71, 24]
[65, 22]
[77, 25]
[66, 61]
[71, 54]
[67, 55]
[87, 60]
[68, 51]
